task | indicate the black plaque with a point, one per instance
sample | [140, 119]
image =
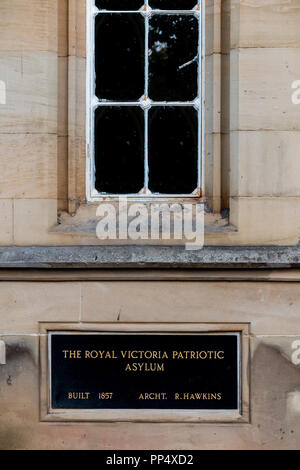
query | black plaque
[144, 371]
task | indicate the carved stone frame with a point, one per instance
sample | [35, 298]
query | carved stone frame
[191, 416]
[73, 151]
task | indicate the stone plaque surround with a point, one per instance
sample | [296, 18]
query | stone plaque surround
[241, 415]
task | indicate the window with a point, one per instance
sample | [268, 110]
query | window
[145, 95]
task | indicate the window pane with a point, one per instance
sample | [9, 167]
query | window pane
[173, 139]
[173, 4]
[119, 149]
[173, 58]
[120, 56]
[119, 4]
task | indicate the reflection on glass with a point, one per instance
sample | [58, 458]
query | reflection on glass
[119, 56]
[120, 5]
[173, 139]
[119, 149]
[173, 58]
[173, 4]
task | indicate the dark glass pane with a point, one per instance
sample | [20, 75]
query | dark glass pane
[173, 58]
[173, 138]
[119, 4]
[173, 4]
[119, 149]
[120, 56]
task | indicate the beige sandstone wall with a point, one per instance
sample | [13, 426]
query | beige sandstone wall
[252, 132]
[271, 308]
[257, 139]
[264, 125]
[28, 122]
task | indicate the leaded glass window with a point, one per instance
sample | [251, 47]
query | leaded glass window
[145, 98]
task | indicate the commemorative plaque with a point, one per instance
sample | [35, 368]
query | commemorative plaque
[144, 371]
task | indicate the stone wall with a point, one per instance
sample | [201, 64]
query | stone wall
[252, 126]
[270, 308]
[253, 141]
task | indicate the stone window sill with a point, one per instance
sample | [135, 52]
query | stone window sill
[84, 223]
[145, 257]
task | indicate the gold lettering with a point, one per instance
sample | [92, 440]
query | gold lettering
[153, 396]
[198, 355]
[198, 396]
[145, 367]
[74, 354]
[100, 354]
[78, 395]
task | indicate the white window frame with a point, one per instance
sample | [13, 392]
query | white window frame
[92, 103]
